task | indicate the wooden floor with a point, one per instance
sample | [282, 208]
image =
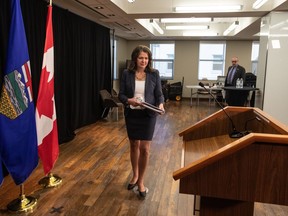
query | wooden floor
[95, 169]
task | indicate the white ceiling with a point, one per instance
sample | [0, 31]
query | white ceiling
[122, 16]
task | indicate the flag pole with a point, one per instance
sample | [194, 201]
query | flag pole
[51, 180]
[49, 149]
[23, 203]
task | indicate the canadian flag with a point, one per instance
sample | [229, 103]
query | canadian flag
[47, 133]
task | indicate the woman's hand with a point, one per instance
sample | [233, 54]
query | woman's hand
[134, 102]
[161, 106]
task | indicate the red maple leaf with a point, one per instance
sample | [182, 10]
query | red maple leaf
[45, 95]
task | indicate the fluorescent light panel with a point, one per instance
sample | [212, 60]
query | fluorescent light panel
[156, 26]
[186, 20]
[191, 33]
[195, 27]
[257, 4]
[231, 28]
[215, 8]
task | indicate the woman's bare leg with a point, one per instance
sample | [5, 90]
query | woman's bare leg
[134, 157]
[143, 162]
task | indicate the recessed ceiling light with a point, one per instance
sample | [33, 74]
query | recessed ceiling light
[131, 1]
[99, 7]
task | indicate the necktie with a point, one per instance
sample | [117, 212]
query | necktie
[231, 75]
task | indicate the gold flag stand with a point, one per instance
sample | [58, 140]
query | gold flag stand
[23, 203]
[50, 181]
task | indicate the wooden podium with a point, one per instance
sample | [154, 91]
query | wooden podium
[230, 174]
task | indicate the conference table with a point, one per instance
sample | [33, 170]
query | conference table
[196, 87]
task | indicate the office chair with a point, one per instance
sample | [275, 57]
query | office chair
[109, 103]
[220, 94]
[221, 81]
[114, 95]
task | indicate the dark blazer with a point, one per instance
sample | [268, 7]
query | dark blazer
[153, 89]
[239, 73]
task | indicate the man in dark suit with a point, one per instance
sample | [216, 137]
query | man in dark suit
[235, 71]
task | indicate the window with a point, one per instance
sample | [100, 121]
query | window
[163, 59]
[211, 60]
[254, 56]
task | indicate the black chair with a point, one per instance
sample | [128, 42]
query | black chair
[114, 95]
[109, 103]
[250, 81]
[165, 89]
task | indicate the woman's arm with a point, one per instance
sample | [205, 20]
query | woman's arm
[123, 89]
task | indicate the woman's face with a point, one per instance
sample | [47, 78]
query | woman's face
[142, 60]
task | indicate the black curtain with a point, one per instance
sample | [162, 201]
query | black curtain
[82, 61]
[4, 28]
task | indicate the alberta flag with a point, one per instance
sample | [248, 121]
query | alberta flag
[47, 132]
[18, 139]
[1, 171]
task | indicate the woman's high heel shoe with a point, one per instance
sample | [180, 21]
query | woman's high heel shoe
[142, 194]
[131, 186]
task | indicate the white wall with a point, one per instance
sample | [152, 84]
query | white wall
[261, 68]
[121, 57]
[276, 74]
[186, 63]
[241, 49]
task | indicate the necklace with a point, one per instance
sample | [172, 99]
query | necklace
[140, 75]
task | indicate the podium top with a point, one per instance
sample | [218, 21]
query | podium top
[244, 118]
